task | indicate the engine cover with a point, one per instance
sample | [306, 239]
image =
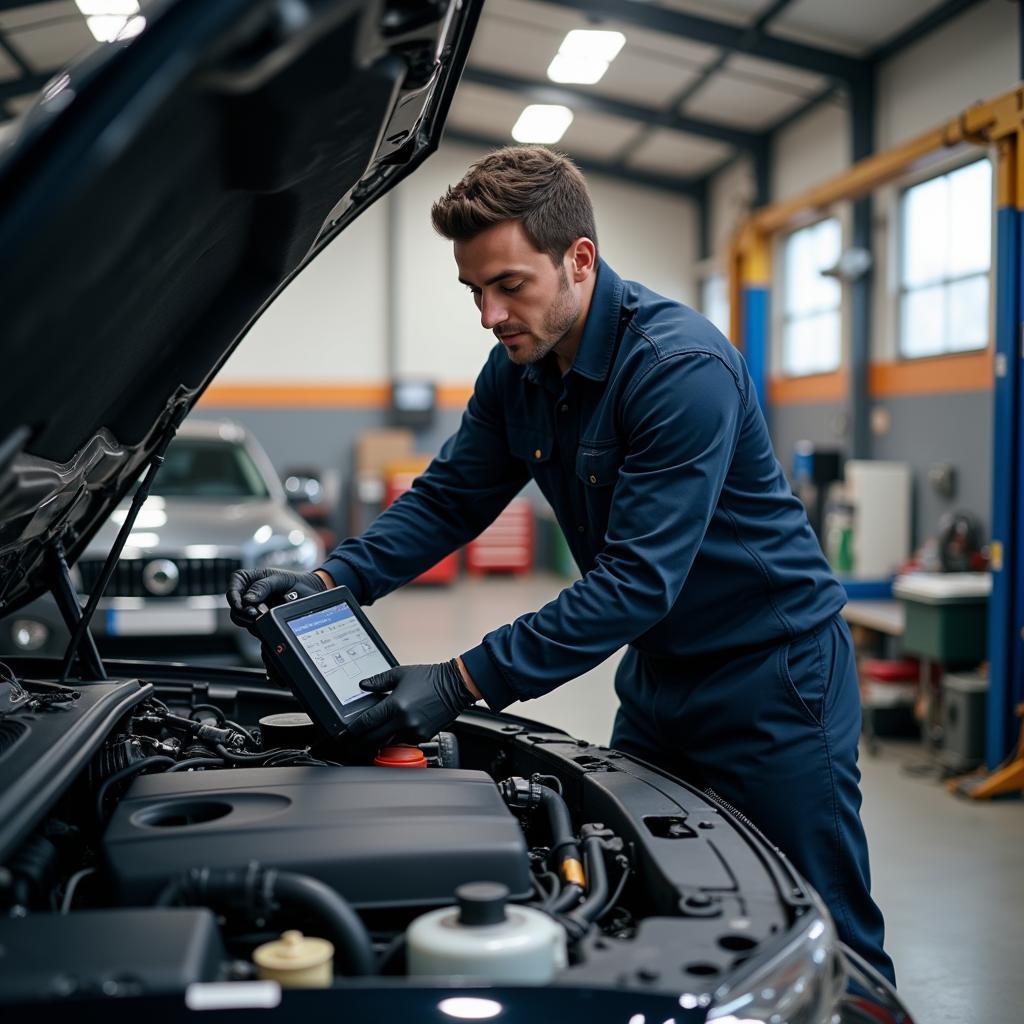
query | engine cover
[383, 837]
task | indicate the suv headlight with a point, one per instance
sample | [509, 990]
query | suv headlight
[801, 983]
[306, 555]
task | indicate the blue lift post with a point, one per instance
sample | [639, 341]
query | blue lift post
[1004, 641]
[755, 290]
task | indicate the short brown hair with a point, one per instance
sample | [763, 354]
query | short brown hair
[536, 186]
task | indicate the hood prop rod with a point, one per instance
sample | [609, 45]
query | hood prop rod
[71, 610]
[156, 461]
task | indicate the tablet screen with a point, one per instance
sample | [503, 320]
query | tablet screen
[340, 648]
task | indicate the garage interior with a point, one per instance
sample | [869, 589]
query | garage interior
[838, 188]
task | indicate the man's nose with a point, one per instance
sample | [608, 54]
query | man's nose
[492, 312]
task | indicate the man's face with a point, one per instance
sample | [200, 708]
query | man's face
[524, 299]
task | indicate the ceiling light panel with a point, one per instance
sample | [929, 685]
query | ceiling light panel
[124, 8]
[543, 123]
[584, 56]
[593, 45]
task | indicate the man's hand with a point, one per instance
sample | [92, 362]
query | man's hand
[423, 700]
[250, 588]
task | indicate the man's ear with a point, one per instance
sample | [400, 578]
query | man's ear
[582, 259]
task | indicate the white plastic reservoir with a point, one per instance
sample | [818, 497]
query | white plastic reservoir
[485, 938]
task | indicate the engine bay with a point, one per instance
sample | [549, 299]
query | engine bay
[165, 816]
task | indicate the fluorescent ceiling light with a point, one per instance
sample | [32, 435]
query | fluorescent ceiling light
[542, 123]
[106, 27]
[125, 8]
[597, 45]
[133, 28]
[584, 56]
[580, 70]
[109, 19]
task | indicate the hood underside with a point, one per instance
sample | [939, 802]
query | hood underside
[155, 200]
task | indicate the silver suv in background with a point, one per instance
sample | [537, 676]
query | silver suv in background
[217, 505]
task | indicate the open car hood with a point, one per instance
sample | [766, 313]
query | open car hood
[154, 201]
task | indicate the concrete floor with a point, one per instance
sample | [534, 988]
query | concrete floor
[948, 874]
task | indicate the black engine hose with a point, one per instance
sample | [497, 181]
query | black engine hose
[565, 900]
[197, 762]
[347, 931]
[255, 890]
[123, 773]
[597, 891]
[565, 850]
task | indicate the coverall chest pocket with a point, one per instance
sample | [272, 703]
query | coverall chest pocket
[597, 467]
[534, 448]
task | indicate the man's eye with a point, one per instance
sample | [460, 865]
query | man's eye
[510, 289]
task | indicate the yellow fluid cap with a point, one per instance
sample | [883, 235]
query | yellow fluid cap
[295, 960]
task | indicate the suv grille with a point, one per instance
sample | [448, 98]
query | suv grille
[196, 577]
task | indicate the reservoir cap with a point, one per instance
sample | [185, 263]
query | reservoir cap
[481, 903]
[400, 756]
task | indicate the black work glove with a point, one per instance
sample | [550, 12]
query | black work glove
[423, 700]
[250, 588]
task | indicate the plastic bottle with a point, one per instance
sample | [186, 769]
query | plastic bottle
[484, 938]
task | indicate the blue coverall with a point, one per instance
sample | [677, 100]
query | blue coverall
[655, 456]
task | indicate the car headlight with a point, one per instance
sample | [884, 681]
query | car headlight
[801, 983]
[305, 555]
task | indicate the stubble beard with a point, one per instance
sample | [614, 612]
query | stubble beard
[558, 321]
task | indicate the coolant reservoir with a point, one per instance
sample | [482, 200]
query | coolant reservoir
[484, 938]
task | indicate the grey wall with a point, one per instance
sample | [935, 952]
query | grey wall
[954, 428]
[923, 430]
[824, 423]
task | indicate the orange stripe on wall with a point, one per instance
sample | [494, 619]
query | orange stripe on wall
[971, 371]
[819, 387]
[319, 396]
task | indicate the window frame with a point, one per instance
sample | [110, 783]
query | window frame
[778, 299]
[897, 251]
[702, 282]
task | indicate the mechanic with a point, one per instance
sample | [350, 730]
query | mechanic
[639, 422]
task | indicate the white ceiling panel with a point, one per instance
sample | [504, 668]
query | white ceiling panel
[20, 104]
[735, 12]
[598, 137]
[550, 17]
[644, 79]
[487, 111]
[8, 69]
[36, 14]
[559, 20]
[852, 28]
[734, 101]
[678, 154]
[757, 72]
[51, 46]
[514, 47]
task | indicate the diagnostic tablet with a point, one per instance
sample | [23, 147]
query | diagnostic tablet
[323, 646]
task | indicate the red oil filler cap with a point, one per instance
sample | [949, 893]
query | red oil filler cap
[400, 756]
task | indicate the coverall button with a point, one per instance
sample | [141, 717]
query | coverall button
[593, 479]
[580, 529]
[537, 454]
[564, 408]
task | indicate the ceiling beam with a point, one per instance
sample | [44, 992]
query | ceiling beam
[679, 187]
[581, 99]
[735, 38]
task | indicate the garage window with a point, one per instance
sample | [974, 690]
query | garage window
[714, 301]
[946, 243]
[811, 322]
